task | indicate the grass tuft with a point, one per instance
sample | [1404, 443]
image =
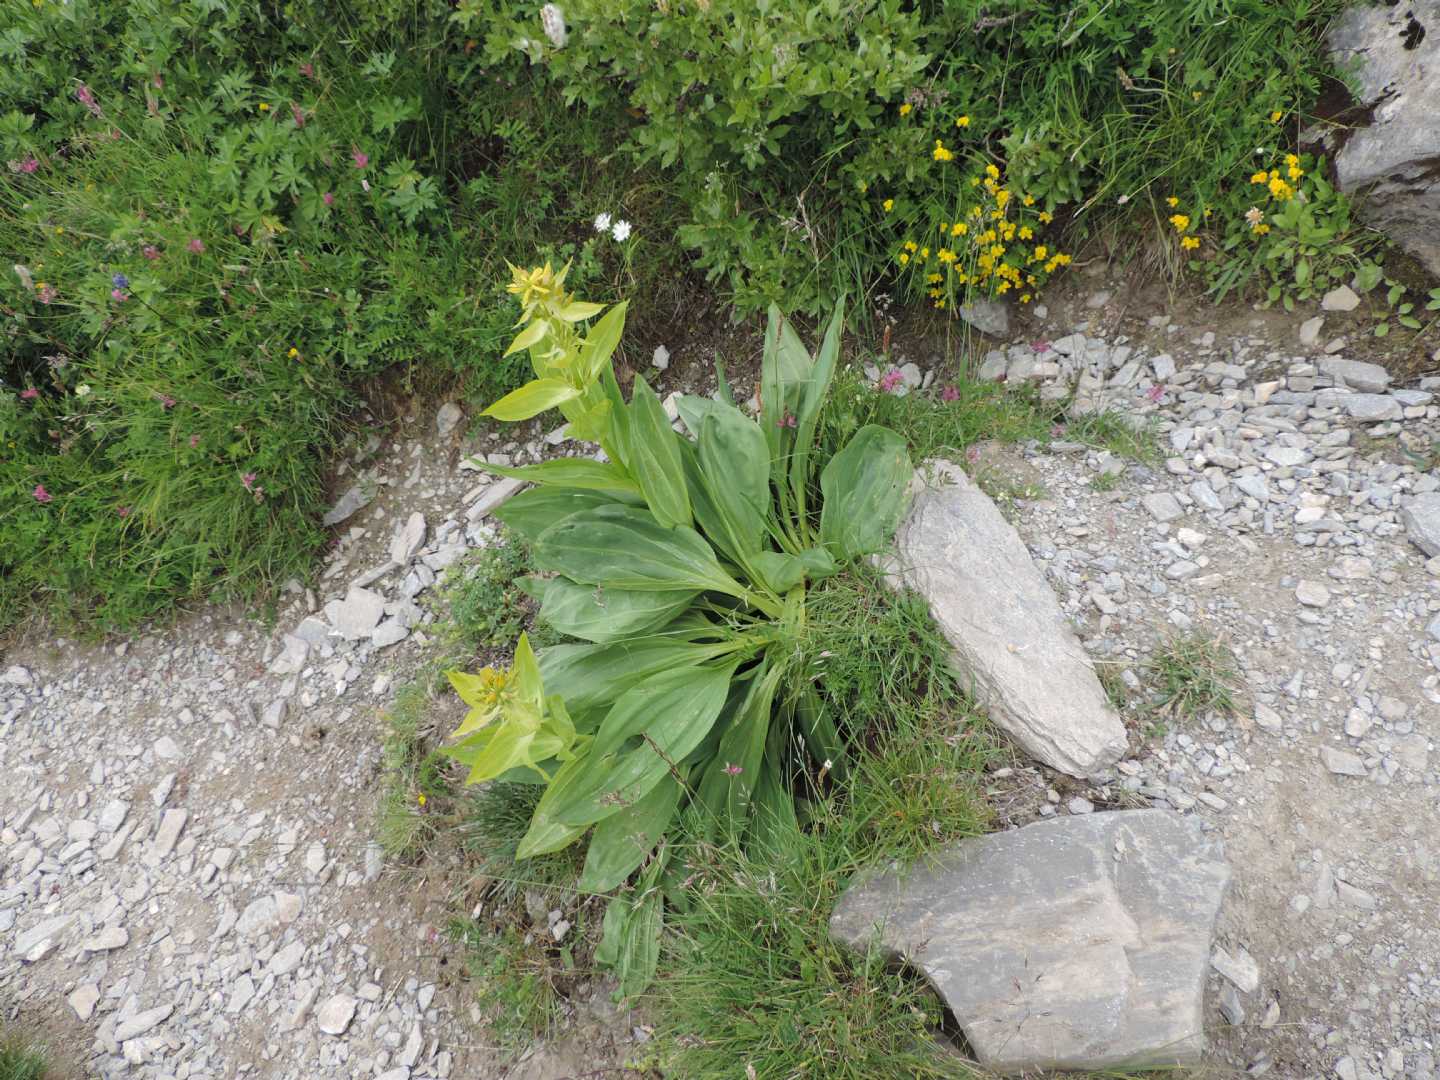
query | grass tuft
[20, 1059]
[1192, 675]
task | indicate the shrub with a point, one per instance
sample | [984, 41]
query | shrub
[685, 566]
[809, 143]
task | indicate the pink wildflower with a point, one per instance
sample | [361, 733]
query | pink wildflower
[949, 393]
[122, 511]
[248, 481]
[118, 296]
[196, 245]
[297, 114]
[786, 421]
[29, 394]
[1155, 393]
[890, 380]
[733, 770]
[30, 164]
[151, 252]
[361, 158]
[166, 401]
[307, 69]
[328, 199]
[47, 294]
[1057, 430]
[1040, 347]
[41, 495]
[86, 97]
[158, 82]
[972, 455]
[194, 441]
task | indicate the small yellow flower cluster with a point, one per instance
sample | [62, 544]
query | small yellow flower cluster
[1280, 187]
[940, 153]
[1181, 222]
[993, 257]
[906, 109]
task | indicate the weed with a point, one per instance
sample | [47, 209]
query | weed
[1192, 675]
[20, 1059]
[1111, 681]
[487, 610]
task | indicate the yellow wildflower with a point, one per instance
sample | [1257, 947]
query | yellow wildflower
[1041, 251]
[264, 107]
[1275, 116]
[962, 121]
[1046, 217]
[1260, 230]
[888, 205]
[904, 258]
[420, 798]
[992, 172]
[905, 109]
[1024, 298]
[924, 253]
[1026, 232]
[293, 353]
[959, 229]
[910, 245]
[1189, 242]
[933, 278]
[940, 153]
[945, 255]
[1180, 221]
[1028, 200]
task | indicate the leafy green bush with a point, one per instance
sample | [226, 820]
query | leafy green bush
[685, 565]
[810, 142]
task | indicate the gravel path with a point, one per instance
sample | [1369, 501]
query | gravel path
[189, 887]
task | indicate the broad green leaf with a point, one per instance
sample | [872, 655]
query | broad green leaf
[655, 457]
[530, 513]
[780, 570]
[673, 722]
[621, 842]
[545, 833]
[819, 563]
[734, 462]
[675, 692]
[527, 337]
[817, 728]
[618, 446]
[612, 931]
[592, 676]
[725, 790]
[807, 415]
[864, 489]
[579, 310]
[640, 948]
[623, 548]
[693, 408]
[601, 615]
[600, 343]
[532, 399]
[584, 474]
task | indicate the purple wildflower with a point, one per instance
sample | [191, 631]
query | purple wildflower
[949, 393]
[890, 380]
[120, 281]
[41, 495]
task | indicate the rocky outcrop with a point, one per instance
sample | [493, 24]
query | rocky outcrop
[1077, 943]
[1393, 52]
[1012, 642]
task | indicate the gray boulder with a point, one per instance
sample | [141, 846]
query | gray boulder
[1076, 943]
[1013, 644]
[1394, 52]
[1421, 518]
[990, 317]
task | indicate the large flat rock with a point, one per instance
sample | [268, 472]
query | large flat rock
[1076, 943]
[1012, 642]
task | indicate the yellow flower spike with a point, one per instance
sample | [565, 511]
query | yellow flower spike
[888, 205]
[906, 108]
[962, 121]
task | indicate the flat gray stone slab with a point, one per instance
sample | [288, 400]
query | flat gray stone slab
[1076, 943]
[1421, 518]
[1012, 642]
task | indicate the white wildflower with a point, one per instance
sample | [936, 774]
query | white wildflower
[553, 21]
[621, 230]
[602, 223]
[23, 273]
[83, 390]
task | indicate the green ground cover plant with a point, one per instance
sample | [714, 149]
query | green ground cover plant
[20, 1059]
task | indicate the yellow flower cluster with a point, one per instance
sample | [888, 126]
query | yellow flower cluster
[940, 153]
[1280, 187]
[1181, 223]
[986, 251]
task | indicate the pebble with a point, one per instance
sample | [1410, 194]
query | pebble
[334, 1016]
